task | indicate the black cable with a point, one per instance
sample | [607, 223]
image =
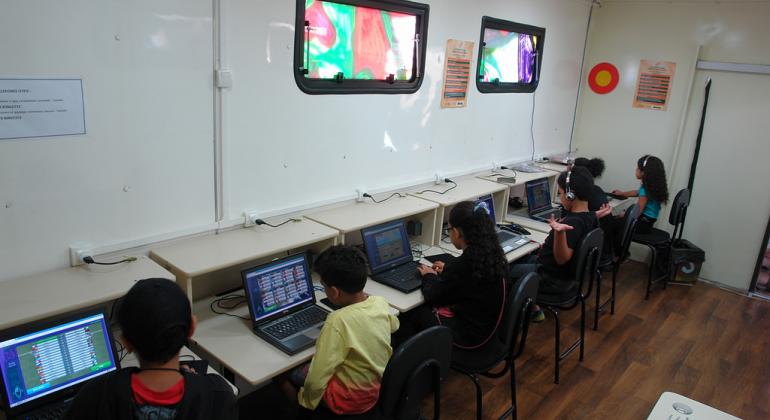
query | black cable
[218, 303]
[367, 195]
[515, 174]
[532, 125]
[90, 260]
[447, 180]
[259, 222]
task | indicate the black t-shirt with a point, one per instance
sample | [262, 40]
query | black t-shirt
[582, 224]
[111, 397]
[597, 198]
[476, 305]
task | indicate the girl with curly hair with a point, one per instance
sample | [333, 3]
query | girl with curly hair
[652, 193]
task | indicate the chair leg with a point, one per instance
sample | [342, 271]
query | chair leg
[597, 308]
[557, 344]
[615, 269]
[512, 410]
[476, 383]
[652, 269]
[582, 328]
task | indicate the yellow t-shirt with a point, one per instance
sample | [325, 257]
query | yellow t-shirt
[351, 354]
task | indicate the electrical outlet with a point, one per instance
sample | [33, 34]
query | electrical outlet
[360, 195]
[78, 252]
[438, 178]
[249, 216]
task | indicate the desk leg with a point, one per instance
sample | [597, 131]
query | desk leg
[186, 284]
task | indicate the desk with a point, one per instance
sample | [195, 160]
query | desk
[468, 188]
[521, 177]
[239, 248]
[349, 218]
[30, 298]
[672, 406]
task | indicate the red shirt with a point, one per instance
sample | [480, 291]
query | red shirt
[146, 396]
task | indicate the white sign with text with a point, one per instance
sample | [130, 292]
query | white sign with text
[41, 108]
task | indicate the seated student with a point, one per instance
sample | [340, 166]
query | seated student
[354, 346]
[554, 262]
[465, 293]
[652, 193]
[595, 166]
[156, 321]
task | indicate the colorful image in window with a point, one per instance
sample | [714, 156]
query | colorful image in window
[508, 57]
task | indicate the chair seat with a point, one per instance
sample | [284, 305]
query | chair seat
[477, 361]
[654, 237]
[564, 297]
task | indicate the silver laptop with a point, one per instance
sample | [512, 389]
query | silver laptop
[282, 303]
[539, 200]
[508, 240]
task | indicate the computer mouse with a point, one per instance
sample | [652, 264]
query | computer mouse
[513, 227]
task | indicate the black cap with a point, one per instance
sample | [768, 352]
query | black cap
[155, 317]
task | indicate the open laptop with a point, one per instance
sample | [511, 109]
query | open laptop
[539, 200]
[44, 363]
[508, 240]
[390, 256]
[282, 304]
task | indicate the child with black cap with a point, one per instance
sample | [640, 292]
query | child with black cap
[156, 321]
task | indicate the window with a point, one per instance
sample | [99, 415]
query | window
[510, 55]
[360, 46]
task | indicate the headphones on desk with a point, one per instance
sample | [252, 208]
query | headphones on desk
[569, 194]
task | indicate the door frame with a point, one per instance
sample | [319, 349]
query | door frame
[760, 257]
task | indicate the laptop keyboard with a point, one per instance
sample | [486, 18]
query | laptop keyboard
[400, 274]
[296, 322]
[54, 411]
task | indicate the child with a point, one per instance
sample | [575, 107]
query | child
[555, 263]
[595, 166]
[652, 193]
[354, 346]
[156, 321]
[466, 293]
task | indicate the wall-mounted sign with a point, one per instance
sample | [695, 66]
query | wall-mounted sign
[457, 72]
[603, 78]
[41, 108]
[653, 86]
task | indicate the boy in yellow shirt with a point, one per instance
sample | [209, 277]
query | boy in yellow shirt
[354, 345]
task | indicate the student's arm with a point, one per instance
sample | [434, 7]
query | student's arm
[631, 193]
[642, 203]
[330, 352]
[445, 289]
[562, 253]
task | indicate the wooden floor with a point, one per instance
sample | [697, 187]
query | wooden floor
[702, 342]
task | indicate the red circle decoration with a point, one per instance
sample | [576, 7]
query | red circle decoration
[603, 78]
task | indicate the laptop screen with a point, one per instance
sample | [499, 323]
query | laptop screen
[387, 245]
[277, 286]
[488, 205]
[538, 195]
[41, 362]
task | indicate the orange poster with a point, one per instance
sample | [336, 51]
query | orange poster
[457, 72]
[653, 86]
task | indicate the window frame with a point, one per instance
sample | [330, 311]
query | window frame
[364, 86]
[488, 22]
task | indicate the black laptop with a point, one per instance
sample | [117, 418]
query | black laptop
[390, 256]
[539, 200]
[282, 303]
[44, 363]
[509, 241]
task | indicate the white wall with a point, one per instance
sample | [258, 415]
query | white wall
[145, 167]
[286, 149]
[623, 33]
[147, 70]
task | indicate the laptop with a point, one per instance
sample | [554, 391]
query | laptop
[509, 241]
[44, 363]
[282, 304]
[539, 200]
[390, 256]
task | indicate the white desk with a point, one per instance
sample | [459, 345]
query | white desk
[30, 298]
[198, 256]
[468, 188]
[672, 406]
[351, 217]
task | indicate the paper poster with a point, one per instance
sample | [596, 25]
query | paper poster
[653, 86]
[41, 108]
[457, 72]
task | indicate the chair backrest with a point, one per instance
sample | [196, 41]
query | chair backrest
[629, 226]
[525, 294]
[415, 370]
[588, 256]
[678, 212]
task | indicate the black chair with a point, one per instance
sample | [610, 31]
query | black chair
[587, 264]
[661, 239]
[506, 346]
[416, 370]
[614, 262]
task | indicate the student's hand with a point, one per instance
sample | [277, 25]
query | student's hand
[618, 192]
[438, 266]
[424, 269]
[187, 368]
[557, 226]
[604, 210]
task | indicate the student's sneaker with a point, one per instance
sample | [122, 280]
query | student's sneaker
[538, 316]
